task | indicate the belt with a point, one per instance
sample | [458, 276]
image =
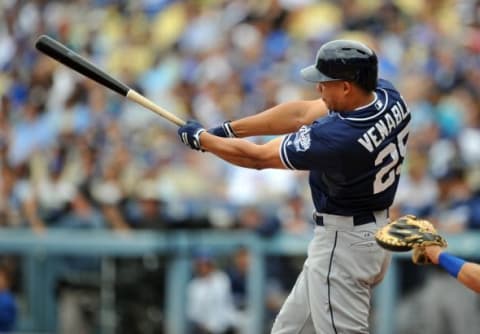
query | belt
[357, 220]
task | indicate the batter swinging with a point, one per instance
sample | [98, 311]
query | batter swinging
[353, 142]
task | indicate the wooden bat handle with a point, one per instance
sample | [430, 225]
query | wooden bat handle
[142, 100]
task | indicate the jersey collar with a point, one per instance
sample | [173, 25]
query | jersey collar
[369, 104]
[368, 111]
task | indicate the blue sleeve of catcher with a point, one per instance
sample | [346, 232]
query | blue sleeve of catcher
[450, 263]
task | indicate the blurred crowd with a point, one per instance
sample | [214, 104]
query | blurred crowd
[72, 151]
[75, 155]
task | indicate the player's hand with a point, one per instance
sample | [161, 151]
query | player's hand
[190, 134]
[225, 130]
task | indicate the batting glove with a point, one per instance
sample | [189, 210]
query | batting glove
[225, 130]
[190, 134]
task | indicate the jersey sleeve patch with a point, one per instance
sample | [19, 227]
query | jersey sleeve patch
[306, 149]
[299, 142]
[302, 140]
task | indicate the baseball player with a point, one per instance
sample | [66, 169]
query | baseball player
[353, 141]
[467, 273]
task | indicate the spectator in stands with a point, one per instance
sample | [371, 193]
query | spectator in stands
[8, 304]
[252, 218]
[452, 211]
[78, 286]
[238, 275]
[34, 131]
[20, 206]
[147, 212]
[238, 272]
[53, 191]
[107, 194]
[210, 306]
[81, 214]
[417, 191]
[293, 216]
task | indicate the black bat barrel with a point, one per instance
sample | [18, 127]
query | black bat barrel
[69, 58]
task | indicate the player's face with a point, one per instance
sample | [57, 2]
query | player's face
[333, 93]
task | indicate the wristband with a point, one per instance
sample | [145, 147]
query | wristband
[228, 129]
[450, 263]
[225, 130]
[196, 139]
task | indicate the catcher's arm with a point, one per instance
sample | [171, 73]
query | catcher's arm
[467, 273]
[469, 276]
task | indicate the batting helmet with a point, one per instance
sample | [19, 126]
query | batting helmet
[344, 60]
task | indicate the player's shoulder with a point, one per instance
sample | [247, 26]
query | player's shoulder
[327, 127]
[385, 85]
[392, 95]
[318, 136]
[325, 122]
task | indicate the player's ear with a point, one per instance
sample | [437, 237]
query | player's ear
[347, 87]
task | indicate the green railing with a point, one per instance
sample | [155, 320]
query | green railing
[40, 269]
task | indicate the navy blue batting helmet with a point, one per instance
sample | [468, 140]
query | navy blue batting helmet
[344, 60]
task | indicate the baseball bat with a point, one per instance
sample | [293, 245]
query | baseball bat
[69, 58]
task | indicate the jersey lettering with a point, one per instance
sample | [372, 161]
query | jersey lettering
[388, 174]
[376, 134]
[390, 122]
[366, 142]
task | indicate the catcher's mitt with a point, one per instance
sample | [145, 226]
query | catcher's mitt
[407, 233]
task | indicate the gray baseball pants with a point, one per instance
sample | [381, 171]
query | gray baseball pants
[332, 293]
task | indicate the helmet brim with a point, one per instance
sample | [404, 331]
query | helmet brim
[312, 74]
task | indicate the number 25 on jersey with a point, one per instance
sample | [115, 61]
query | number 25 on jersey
[386, 176]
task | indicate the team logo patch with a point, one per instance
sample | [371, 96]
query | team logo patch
[378, 105]
[302, 139]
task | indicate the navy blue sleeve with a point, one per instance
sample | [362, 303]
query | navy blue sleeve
[307, 149]
[388, 86]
